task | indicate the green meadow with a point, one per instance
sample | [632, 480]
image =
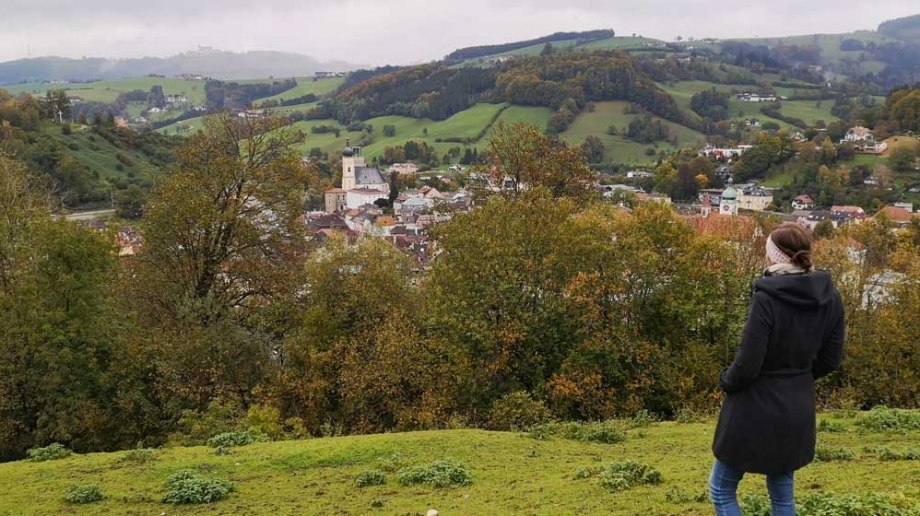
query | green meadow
[511, 473]
[616, 147]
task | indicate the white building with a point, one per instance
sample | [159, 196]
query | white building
[404, 169]
[362, 184]
[755, 198]
[864, 141]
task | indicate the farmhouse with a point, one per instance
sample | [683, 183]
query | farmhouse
[803, 202]
[755, 97]
[864, 141]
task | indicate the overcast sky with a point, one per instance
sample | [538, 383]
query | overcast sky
[397, 31]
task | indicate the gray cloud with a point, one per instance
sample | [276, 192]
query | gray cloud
[396, 31]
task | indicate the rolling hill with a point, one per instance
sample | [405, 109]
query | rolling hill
[510, 473]
[204, 62]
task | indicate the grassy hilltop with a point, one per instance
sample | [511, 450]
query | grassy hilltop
[512, 473]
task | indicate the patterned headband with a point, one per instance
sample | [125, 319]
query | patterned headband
[775, 254]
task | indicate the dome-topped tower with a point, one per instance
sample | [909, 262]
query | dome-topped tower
[348, 151]
[729, 204]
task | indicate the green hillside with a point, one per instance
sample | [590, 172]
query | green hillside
[809, 110]
[511, 473]
[101, 155]
[617, 148]
[305, 86]
[107, 91]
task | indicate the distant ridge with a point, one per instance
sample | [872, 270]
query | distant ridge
[486, 50]
[205, 62]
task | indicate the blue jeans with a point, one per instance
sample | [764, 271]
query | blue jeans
[723, 484]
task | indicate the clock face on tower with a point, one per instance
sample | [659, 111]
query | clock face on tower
[726, 208]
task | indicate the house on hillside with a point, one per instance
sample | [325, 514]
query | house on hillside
[755, 97]
[900, 217]
[638, 174]
[803, 202]
[863, 141]
[850, 213]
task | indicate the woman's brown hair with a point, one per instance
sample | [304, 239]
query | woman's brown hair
[795, 241]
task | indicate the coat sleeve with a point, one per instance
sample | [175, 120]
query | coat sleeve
[830, 355]
[754, 341]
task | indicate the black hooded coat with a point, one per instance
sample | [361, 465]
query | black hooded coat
[793, 335]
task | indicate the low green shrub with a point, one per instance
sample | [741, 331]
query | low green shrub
[231, 439]
[826, 425]
[887, 454]
[440, 473]
[517, 412]
[84, 494]
[679, 496]
[190, 487]
[583, 473]
[820, 504]
[139, 455]
[370, 478]
[825, 504]
[606, 432]
[642, 419]
[393, 463]
[624, 475]
[53, 451]
[829, 453]
[883, 419]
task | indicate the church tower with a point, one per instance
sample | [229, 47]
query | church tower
[707, 206]
[729, 204]
[349, 163]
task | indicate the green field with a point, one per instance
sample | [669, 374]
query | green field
[184, 128]
[809, 110]
[616, 148]
[538, 116]
[107, 91]
[305, 86]
[511, 473]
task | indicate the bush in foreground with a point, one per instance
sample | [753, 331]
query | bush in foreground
[606, 432]
[829, 453]
[139, 455]
[53, 451]
[823, 504]
[624, 475]
[440, 473]
[231, 439]
[191, 487]
[370, 478]
[884, 419]
[517, 412]
[84, 494]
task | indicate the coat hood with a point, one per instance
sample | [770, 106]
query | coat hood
[810, 290]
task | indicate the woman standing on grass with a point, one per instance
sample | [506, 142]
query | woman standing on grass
[793, 336]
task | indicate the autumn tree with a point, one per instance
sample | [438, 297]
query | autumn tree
[222, 247]
[528, 159]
